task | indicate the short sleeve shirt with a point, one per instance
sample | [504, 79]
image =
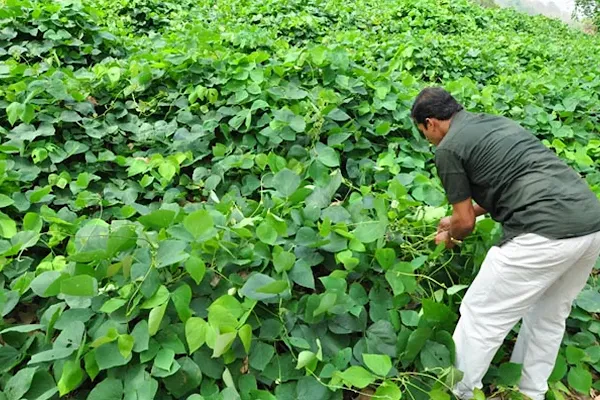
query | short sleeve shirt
[519, 181]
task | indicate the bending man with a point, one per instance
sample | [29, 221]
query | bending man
[551, 225]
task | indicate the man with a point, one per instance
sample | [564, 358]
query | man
[551, 224]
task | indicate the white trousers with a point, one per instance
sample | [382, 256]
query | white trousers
[530, 278]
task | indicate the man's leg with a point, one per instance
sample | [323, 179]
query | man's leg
[544, 325]
[512, 279]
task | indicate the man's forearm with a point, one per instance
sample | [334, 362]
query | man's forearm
[460, 229]
[462, 225]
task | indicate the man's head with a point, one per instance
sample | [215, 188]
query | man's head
[432, 111]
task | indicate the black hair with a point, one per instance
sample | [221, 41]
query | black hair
[434, 102]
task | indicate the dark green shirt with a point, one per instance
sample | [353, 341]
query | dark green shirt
[509, 172]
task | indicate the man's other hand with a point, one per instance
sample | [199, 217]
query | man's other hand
[444, 225]
[444, 237]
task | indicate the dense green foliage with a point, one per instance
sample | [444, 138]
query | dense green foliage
[229, 200]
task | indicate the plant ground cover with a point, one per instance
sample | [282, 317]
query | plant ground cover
[227, 200]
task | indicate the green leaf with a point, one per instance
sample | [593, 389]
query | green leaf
[125, 343]
[509, 374]
[327, 301]
[182, 297]
[380, 364]
[51, 355]
[478, 394]
[158, 219]
[438, 394]
[261, 356]
[251, 288]
[580, 379]
[396, 282]
[155, 318]
[356, 376]
[284, 261]
[196, 268]
[589, 300]
[328, 156]
[435, 355]
[245, 334]
[14, 111]
[416, 341]
[305, 358]
[167, 171]
[19, 384]
[43, 387]
[266, 233]
[159, 298]
[309, 388]
[222, 343]
[410, 317]
[560, 369]
[8, 227]
[199, 223]
[114, 74]
[47, 283]
[297, 123]
[187, 378]
[286, 182]
[164, 359]
[108, 389]
[575, 355]
[195, 333]
[79, 285]
[38, 194]
[455, 289]
[91, 366]
[276, 287]
[111, 335]
[370, 231]
[141, 336]
[71, 336]
[5, 201]
[22, 328]
[112, 305]
[383, 128]
[32, 222]
[139, 385]
[302, 275]
[388, 390]
[171, 252]
[338, 115]
[438, 313]
[385, 257]
[71, 377]
[122, 239]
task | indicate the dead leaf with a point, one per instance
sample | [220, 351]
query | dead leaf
[215, 280]
[366, 394]
[245, 368]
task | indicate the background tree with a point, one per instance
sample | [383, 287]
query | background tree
[588, 9]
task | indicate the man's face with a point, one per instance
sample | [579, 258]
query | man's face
[432, 131]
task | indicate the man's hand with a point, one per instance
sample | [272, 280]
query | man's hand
[444, 225]
[444, 237]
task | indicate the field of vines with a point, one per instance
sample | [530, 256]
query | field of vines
[228, 200]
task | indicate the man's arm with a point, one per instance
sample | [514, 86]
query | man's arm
[461, 220]
[463, 217]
